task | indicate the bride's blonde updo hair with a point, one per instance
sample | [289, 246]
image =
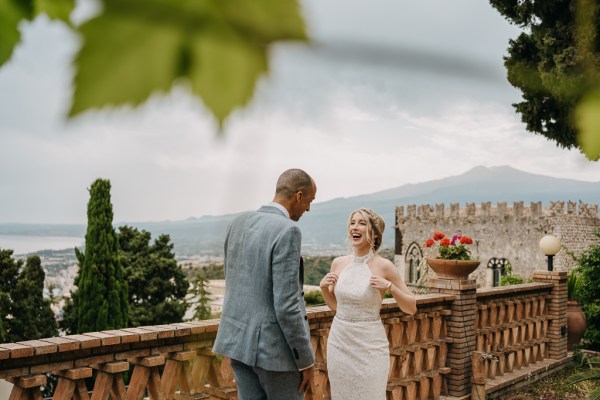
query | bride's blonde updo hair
[375, 226]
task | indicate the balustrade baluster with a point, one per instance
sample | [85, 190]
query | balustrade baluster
[501, 313]
[423, 387]
[177, 373]
[493, 314]
[27, 387]
[71, 384]
[109, 381]
[146, 377]
[484, 322]
[424, 333]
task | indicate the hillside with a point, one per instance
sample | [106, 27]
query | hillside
[323, 228]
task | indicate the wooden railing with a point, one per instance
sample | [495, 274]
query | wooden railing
[461, 342]
[520, 333]
[171, 361]
[512, 327]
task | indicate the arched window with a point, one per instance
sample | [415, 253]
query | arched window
[414, 255]
[499, 267]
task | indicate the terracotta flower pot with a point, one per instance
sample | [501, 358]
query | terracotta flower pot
[576, 324]
[452, 268]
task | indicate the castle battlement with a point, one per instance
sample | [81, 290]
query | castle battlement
[428, 212]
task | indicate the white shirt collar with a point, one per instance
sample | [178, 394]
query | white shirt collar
[279, 206]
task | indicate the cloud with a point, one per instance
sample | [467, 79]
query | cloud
[385, 98]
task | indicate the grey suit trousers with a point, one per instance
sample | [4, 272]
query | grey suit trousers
[255, 383]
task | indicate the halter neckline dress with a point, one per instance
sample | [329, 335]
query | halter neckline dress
[358, 358]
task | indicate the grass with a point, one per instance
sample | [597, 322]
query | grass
[553, 388]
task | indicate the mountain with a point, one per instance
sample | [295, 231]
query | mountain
[324, 227]
[477, 185]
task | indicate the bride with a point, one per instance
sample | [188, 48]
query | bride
[358, 357]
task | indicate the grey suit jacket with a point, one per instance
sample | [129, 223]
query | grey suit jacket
[264, 320]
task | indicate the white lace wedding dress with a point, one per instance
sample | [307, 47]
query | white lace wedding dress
[358, 358]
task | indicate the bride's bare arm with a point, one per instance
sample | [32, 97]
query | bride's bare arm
[402, 294]
[328, 282]
[392, 281]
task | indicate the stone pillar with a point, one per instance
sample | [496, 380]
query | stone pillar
[557, 311]
[461, 329]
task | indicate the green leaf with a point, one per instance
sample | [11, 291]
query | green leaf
[137, 47]
[595, 394]
[55, 9]
[268, 19]
[224, 68]
[590, 374]
[11, 13]
[124, 60]
[594, 360]
[587, 121]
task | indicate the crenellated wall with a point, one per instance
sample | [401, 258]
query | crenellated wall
[501, 231]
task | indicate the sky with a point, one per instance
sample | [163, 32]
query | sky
[387, 93]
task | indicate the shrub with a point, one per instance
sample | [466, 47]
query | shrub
[510, 278]
[574, 284]
[589, 293]
[314, 298]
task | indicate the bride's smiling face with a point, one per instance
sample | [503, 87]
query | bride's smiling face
[359, 231]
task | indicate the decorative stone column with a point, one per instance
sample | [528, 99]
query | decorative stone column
[557, 311]
[461, 329]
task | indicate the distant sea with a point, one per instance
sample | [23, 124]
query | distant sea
[22, 244]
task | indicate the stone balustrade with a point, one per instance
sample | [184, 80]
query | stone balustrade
[437, 352]
[512, 327]
[519, 329]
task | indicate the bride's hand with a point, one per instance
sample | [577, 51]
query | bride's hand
[328, 280]
[380, 283]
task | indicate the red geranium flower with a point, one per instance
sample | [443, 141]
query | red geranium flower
[438, 235]
[455, 249]
[466, 240]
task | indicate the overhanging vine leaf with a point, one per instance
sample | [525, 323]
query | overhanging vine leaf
[137, 47]
[55, 9]
[11, 13]
[587, 120]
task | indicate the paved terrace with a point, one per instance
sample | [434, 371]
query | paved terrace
[462, 343]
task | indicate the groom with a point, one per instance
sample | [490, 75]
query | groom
[264, 329]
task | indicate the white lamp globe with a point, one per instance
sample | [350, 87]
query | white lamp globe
[550, 245]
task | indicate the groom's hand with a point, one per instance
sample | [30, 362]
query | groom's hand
[307, 377]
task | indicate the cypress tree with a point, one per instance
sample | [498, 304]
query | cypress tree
[101, 298]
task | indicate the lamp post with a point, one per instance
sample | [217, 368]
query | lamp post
[550, 245]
